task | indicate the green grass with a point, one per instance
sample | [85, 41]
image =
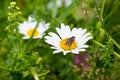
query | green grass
[24, 59]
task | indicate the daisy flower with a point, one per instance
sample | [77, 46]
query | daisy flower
[68, 40]
[59, 3]
[28, 28]
[68, 2]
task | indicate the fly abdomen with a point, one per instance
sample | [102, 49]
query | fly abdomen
[70, 40]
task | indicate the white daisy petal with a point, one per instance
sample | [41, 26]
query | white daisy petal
[25, 37]
[81, 31]
[68, 2]
[30, 19]
[59, 32]
[43, 27]
[75, 51]
[64, 31]
[83, 40]
[64, 52]
[59, 3]
[51, 42]
[57, 51]
[83, 46]
[74, 32]
[78, 33]
[52, 39]
[82, 50]
[54, 47]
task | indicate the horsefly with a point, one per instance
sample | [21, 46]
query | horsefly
[70, 41]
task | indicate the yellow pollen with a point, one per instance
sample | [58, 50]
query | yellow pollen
[67, 47]
[30, 32]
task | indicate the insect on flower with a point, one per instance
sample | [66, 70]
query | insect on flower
[70, 41]
[64, 42]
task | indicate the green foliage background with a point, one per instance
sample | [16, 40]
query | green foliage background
[22, 59]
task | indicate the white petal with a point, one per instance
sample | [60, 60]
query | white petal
[23, 28]
[75, 51]
[82, 41]
[82, 50]
[57, 51]
[64, 31]
[86, 35]
[32, 24]
[60, 32]
[58, 48]
[30, 19]
[26, 37]
[75, 32]
[64, 52]
[81, 31]
[78, 33]
[55, 36]
[43, 27]
[83, 46]
[68, 2]
[52, 39]
[58, 3]
[54, 43]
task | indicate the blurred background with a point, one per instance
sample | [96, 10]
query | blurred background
[100, 17]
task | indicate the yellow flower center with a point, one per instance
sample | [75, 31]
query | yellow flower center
[30, 32]
[66, 47]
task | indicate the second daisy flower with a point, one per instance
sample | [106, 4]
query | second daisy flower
[29, 29]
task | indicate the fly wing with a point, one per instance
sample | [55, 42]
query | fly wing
[70, 41]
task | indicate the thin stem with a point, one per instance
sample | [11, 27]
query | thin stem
[116, 54]
[101, 45]
[1, 67]
[114, 42]
[66, 68]
[35, 75]
[29, 41]
[104, 1]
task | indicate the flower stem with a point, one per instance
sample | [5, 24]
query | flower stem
[66, 68]
[35, 75]
[101, 45]
[116, 54]
[114, 42]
